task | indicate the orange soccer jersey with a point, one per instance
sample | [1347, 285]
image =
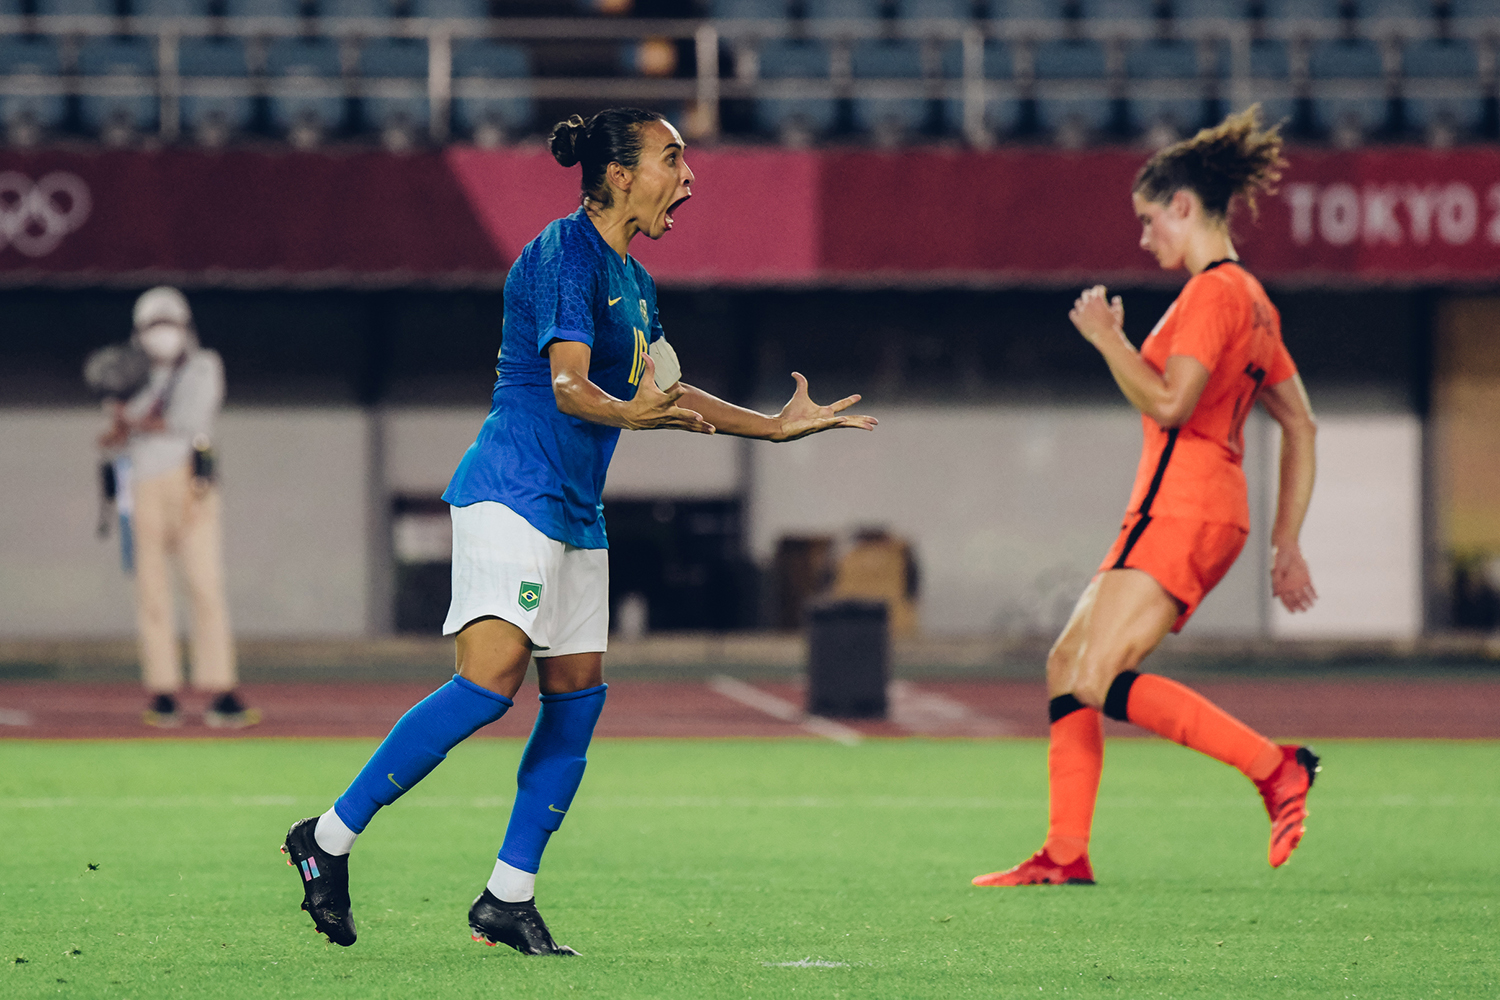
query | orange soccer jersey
[1224, 320]
[1190, 486]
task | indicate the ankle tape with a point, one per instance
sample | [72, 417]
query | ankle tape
[1117, 701]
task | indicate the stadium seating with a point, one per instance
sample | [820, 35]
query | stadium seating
[476, 61]
[128, 63]
[887, 70]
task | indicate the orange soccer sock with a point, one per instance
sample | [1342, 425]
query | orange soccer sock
[1184, 716]
[1075, 758]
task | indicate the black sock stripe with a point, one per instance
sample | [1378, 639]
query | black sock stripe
[1062, 706]
[1117, 702]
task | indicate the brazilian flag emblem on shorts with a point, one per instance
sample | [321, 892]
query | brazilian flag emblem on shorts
[530, 596]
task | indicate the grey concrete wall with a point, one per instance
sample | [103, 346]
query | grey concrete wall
[1010, 508]
[294, 510]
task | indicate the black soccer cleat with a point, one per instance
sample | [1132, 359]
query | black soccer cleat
[494, 921]
[325, 882]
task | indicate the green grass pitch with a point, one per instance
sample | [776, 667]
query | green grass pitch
[749, 868]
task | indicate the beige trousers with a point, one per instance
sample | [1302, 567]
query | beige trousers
[173, 518]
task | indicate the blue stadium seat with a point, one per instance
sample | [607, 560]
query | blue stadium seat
[1223, 10]
[1442, 59]
[469, 9]
[487, 59]
[172, 8]
[38, 55]
[1117, 10]
[396, 58]
[735, 10]
[217, 58]
[356, 8]
[1027, 10]
[843, 9]
[782, 59]
[29, 54]
[304, 57]
[1354, 58]
[263, 8]
[118, 56]
[1071, 60]
[887, 60]
[1270, 59]
[76, 8]
[1170, 60]
[959, 9]
[1412, 9]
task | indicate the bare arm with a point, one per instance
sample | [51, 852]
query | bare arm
[1167, 398]
[799, 418]
[649, 408]
[1288, 405]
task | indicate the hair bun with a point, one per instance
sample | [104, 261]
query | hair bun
[565, 138]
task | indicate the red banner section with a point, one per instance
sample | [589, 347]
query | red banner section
[758, 217]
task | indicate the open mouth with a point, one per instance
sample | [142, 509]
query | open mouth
[674, 207]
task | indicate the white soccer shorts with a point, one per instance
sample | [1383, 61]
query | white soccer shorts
[505, 568]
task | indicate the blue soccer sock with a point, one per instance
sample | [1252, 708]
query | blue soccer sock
[417, 744]
[551, 769]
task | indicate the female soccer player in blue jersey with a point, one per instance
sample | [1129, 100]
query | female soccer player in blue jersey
[581, 357]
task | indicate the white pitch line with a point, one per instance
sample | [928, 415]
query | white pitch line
[923, 711]
[779, 708]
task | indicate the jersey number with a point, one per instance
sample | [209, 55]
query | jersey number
[638, 367]
[1257, 375]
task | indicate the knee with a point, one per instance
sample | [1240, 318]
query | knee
[1096, 675]
[1060, 664]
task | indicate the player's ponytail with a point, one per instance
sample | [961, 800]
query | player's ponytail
[611, 136]
[1235, 159]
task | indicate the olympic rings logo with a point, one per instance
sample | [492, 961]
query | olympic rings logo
[34, 217]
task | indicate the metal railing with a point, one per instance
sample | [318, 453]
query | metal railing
[742, 40]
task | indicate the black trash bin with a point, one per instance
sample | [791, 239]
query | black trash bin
[848, 659]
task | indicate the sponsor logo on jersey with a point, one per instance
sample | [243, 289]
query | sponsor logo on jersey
[616, 299]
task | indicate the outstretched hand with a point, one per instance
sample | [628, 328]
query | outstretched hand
[801, 416]
[1291, 583]
[653, 409]
[1096, 316]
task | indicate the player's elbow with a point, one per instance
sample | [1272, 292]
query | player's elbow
[565, 393]
[1172, 413]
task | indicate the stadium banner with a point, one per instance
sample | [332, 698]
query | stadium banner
[758, 217]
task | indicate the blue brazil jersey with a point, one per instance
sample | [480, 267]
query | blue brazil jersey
[546, 466]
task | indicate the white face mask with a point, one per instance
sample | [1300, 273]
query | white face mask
[164, 341]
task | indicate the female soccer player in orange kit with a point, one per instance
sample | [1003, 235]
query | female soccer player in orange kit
[1215, 353]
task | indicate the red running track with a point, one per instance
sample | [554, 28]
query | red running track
[1383, 707]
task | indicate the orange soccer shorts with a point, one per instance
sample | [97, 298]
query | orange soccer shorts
[1188, 558]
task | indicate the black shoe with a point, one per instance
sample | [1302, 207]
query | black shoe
[162, 712]
[495, 921]
[228, 712]
[325, 882]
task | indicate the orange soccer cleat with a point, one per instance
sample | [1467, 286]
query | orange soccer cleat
[1285, 795]
[1040, 869]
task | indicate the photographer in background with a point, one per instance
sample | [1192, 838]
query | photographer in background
[165, 429]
